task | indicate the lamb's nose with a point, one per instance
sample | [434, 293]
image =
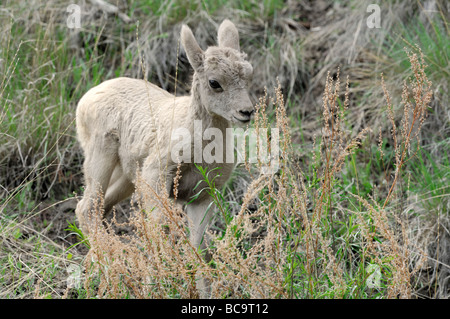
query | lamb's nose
[246, 113]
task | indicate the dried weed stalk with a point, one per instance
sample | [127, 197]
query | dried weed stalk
[392, 252]
[415, 100]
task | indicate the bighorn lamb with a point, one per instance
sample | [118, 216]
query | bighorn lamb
[125, 125]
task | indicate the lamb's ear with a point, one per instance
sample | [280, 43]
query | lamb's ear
[228, 35]
[194, 52]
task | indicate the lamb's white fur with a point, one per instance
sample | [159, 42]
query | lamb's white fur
[125, 124]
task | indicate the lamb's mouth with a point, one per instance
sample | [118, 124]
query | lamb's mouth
[242, 121]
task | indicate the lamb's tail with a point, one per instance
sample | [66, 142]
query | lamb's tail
[83, 133]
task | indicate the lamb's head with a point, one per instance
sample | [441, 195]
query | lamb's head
[222, 74]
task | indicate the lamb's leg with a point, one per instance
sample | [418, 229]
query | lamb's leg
[152, 176]
[100, 160]
[199, 217]
[117, 173]
[118, 190]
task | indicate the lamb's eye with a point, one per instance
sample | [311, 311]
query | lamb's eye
[214, 85]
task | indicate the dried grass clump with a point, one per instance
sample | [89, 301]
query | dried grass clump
[394, 253]
[415, 101]
[155, 261]
[316, 199]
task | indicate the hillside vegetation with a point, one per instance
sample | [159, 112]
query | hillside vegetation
[359, 208]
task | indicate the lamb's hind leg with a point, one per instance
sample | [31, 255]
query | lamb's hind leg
[101, 157]
[120, 188]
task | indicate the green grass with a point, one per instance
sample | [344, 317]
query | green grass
[429, 181]
[433, 40]
[179, 10]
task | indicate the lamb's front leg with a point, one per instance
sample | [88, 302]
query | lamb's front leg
[199, 216]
